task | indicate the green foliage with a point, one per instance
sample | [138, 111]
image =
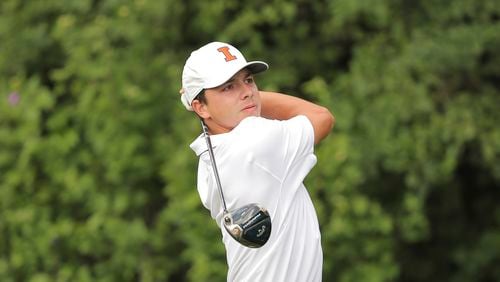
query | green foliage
[97, 182]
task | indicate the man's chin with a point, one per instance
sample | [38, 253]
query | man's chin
[253, 111]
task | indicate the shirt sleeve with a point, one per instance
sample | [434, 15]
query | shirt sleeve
[299, 136]
[279, 145]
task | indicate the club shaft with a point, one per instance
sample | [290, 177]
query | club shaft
[214, 165]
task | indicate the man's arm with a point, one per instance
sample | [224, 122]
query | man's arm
[282, 107]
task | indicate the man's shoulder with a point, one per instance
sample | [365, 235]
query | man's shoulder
[253, 121]
[259, 129]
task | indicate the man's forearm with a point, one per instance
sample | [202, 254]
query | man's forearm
[282, 107]
[279, 106]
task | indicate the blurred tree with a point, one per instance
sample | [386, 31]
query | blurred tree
[97, 182]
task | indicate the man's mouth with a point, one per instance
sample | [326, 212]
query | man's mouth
[249, 108]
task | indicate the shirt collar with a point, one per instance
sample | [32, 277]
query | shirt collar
[199, 145]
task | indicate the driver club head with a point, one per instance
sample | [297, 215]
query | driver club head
[250, 225]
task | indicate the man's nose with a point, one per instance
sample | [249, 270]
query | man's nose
[246, 90]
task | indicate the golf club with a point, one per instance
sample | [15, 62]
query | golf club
[250, 225]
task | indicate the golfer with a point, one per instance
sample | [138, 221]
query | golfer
[263, 144]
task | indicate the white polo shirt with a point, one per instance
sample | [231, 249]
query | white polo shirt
[265, 161]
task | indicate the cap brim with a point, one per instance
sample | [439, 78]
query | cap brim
[257, 66]
[254, 67]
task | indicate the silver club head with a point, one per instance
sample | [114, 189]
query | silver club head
[250, 225]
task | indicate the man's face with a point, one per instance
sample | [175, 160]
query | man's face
[228, 104]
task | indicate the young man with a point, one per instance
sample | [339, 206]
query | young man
[263, 144]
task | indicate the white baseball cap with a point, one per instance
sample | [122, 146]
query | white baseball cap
[211, 66]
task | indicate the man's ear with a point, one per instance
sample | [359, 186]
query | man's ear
[200, 109]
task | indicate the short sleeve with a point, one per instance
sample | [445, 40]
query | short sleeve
[299, 136]
[277, 145]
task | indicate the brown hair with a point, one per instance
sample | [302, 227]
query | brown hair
[201, 97]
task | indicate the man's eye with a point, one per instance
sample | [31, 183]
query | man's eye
[227, 87]
[249, 80]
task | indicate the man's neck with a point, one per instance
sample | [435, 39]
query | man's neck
[215, 128]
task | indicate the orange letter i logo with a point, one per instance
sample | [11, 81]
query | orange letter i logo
[225, 50]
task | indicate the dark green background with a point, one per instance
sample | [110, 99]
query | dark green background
[97, 182]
